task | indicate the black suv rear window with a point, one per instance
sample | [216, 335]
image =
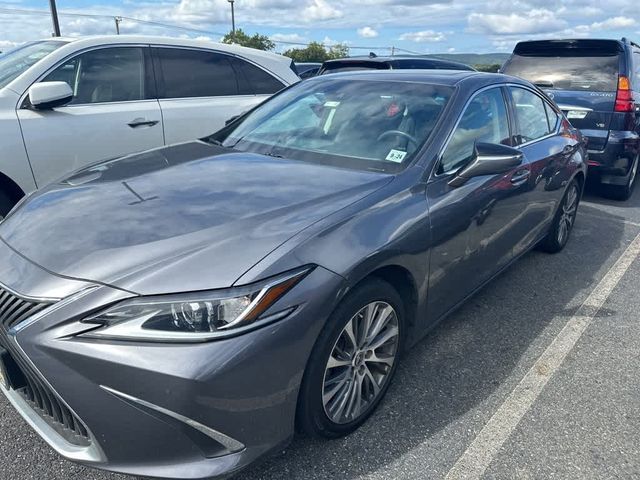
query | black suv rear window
[571, 69]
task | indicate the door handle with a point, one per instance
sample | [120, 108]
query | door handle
[142, 122]
[520, 177]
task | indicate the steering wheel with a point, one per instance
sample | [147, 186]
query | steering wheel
[399, 133]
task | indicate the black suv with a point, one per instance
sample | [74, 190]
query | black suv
[389, 63]
[597, 85]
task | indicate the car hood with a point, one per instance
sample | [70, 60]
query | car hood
[188, 217]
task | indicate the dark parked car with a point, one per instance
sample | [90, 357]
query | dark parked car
[374, 62]
[177, 312]
[597, 85]
[307, 69]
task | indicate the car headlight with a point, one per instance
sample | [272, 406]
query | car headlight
[194, 317]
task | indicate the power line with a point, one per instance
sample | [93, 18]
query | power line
[120, 18]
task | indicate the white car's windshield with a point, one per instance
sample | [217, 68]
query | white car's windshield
[17, 61]
[353, 123]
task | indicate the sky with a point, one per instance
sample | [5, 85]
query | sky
[417, 26]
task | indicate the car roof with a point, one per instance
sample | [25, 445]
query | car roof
[95, 40]
[394, 58]
[428, 76]
[278, 65]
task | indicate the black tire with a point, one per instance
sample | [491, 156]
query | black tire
[312, 418]
[623, 192]
[6, 204]
[555, 241]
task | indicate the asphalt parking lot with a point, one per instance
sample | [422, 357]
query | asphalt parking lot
[535, 377]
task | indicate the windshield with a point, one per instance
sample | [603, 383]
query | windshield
[376, 125]
[17, 61]
[567, 72]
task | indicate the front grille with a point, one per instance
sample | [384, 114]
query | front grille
[14, 310]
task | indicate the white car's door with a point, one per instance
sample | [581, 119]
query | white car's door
[200, 90]
[114, 112]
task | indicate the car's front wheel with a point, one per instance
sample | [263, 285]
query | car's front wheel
[353, 361]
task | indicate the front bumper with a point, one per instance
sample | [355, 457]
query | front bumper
[172, 410]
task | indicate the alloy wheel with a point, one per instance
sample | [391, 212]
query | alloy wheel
[361, 362]
[568, 214]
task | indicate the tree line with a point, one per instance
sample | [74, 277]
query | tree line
[314, 52]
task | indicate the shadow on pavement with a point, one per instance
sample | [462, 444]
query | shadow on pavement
[461, 363]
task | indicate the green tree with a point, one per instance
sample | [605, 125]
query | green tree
[316, 52]
[260, 42]
[492, 68]
[339, 51]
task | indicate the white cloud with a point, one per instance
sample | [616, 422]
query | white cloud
[423, 36]
[614, 23]
[533, 21]
[288, 37]
[319, 10]
[367, 32]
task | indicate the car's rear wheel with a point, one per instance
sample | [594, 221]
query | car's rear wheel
[623, 192]
[5, 204]
[353, 361]
[563, 221]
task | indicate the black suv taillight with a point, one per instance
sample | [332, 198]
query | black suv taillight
[624, 97]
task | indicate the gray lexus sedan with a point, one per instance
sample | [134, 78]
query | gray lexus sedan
[179, 312]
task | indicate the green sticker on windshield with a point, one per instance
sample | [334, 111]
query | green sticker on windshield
[396, 156]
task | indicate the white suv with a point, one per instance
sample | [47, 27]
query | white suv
[66, 103]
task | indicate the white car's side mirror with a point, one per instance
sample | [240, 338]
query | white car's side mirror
[46, 95]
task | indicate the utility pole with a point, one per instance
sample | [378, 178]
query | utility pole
[233, 19]
[117, 20]
[54, 18]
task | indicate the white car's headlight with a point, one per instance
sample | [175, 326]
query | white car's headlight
[194, 317]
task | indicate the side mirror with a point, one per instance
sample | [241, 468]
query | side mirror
[488, 159]
[47, 95]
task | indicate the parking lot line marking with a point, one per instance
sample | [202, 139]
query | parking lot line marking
[612, 219]
[487, 443]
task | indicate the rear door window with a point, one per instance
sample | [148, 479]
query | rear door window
[552, 116]
[567, 70]
[531, 115]
[254, 80]
[188, 73]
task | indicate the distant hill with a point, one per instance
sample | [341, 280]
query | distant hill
[474, 58]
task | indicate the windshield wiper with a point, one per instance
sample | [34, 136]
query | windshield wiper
[213, 141]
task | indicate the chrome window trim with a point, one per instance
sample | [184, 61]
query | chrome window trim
[553, 132]
[25, 94]
[435, 175]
